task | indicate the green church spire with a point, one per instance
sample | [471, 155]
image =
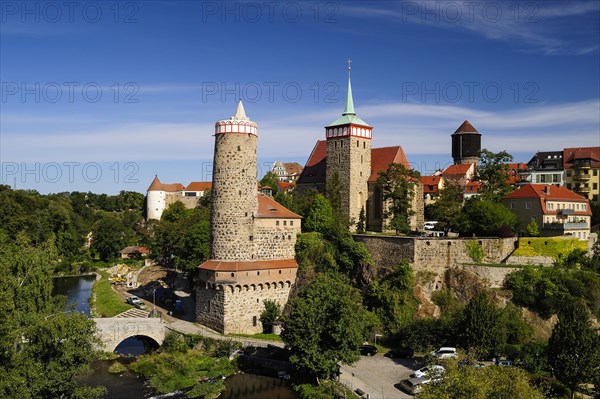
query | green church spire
[349, 110]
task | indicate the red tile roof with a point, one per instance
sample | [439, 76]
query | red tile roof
[156, 185]
[269, 208]
[383, 157]
[466, 127]
[286, 185]
[517, 166]
[461, 169]
[547, 192]
[223, 266]
[472, 187]
[199, 186]
[292, 168]
[430, 183]
[315, 168]
[572, 154]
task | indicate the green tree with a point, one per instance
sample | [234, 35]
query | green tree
[43, 348]
[272, 180]
[483, 327]
[486, 218]
[325, 326]
[362, 218]
[493, 174]
[109, 237]
[391, 298]
[574, 346]
[481, 383]
[270, 315]
[397, 183]
[447, 206]
[320, 216]
[533, 229]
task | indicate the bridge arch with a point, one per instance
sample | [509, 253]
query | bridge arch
[113, 331]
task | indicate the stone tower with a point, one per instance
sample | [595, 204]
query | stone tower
[349, 154]
[234, 198]
[466, 144]
[252, 237]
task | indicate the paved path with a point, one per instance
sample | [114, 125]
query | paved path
[379, 376]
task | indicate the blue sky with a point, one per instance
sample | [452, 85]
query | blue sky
[102, 95]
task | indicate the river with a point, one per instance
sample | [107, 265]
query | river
[129, 385]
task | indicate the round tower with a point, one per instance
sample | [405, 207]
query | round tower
[466, 144]
[155, 200]
[234, 188]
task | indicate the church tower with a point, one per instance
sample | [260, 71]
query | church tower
[349, 155]
[233, 198]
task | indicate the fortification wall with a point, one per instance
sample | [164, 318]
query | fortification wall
[275, 238]
[235, 308]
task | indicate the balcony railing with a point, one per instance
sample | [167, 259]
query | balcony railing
[581, 177]
[566, 226]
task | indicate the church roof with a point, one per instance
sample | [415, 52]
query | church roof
[381, 158]
[269, 208]
[156, 185]
[466, 127]
[223, 266]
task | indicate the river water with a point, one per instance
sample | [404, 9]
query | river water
[130, 386]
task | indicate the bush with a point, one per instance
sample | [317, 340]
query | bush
[475, 251]
[270, 315]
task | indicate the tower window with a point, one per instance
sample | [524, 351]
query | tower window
[240, 192]
[357, 144]
[364, 145]
[239, 148]
[361, 159]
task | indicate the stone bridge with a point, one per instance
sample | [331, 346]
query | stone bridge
[112, 331]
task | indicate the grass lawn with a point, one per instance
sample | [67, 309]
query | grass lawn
[105, 301]
[266, 337]
[547, 246]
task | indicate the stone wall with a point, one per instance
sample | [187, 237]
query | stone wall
[433, 253]
[275, 238]
[530, 260]
[493, 275]
[234, 197]
[235, 306]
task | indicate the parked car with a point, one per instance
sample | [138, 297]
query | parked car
[429, 371]
[504, 363]
[467, 362]
[445, 352]
[400, 353]
[415, 385]
[136, 301]
[430, 225]
[368, 350]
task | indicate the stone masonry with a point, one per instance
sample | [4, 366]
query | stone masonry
[252, 237]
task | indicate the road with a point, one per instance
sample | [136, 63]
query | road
[379, 376]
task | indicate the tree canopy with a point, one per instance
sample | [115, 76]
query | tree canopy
[325, 326]
[493, 173]
[397, 183]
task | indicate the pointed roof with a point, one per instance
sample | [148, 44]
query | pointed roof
[240, 112]
[349, 115]
[269, 208]
[466, 127]
[156, 185]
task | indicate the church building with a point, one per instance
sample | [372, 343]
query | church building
[347, 151]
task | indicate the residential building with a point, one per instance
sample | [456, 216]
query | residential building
[460, 174]
[160, 195]
[287, 171]
[557, 210]
[432, 186]
[544, 168]
[582, 171]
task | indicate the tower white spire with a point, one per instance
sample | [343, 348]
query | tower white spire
[240, 113]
